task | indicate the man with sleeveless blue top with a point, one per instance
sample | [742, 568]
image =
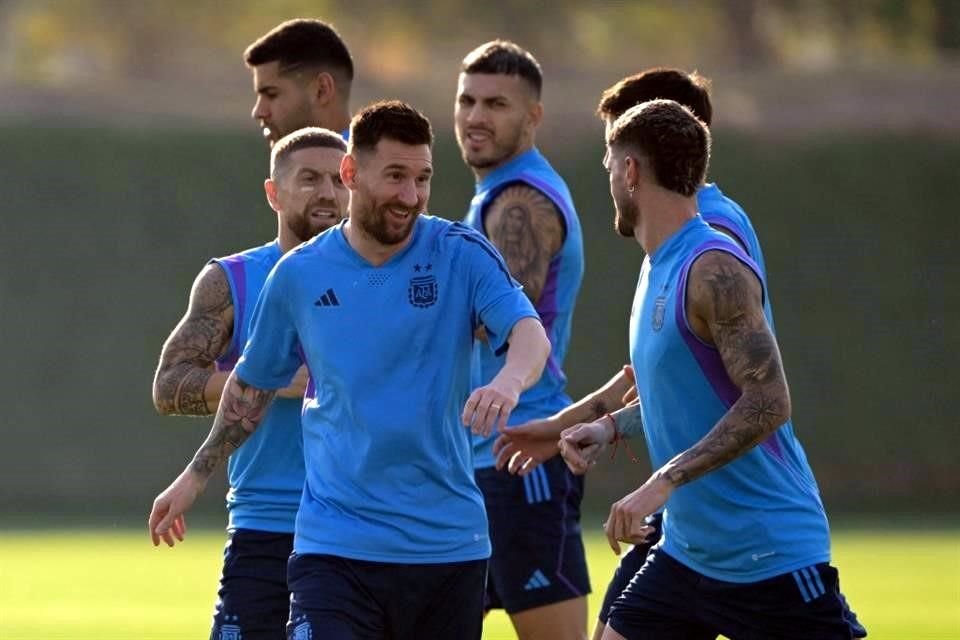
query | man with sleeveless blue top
[538, 571]
[266, 478]
[745, 549]
[391, 535]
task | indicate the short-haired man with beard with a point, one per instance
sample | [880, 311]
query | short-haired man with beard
[391, 536]
[302, 72]
[266, 478]
[538, 570]
[745, 549]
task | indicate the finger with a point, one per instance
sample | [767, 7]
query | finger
[489, 417]
[641, 535]
[503, 441]
[504, 453]
[178, 528]
[528, 467]
[608, 528]
[590, 453]
[629, 372]
[470, 408]
[572, 456]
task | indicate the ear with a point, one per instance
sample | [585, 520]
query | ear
[633, 170]
[324, 88]
[348, 171]
[536, 113]
[270, 188]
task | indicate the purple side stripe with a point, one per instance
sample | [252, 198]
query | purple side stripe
[547, 308]
[238, 278]
[707, 357]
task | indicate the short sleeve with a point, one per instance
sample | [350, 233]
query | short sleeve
[272, 353]
[498, 300]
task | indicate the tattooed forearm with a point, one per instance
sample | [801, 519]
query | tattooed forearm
[629, 421]
[726, 297]
[241, 410]
[186, 363]
[598, 408]
[527, 229]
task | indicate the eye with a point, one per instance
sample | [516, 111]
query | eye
[465, 101]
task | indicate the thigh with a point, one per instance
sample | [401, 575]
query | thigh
[660, 603]
[629, 565]
[538, 553]
[330, 598]
[799, 605]
[448, 598]
[253, 600]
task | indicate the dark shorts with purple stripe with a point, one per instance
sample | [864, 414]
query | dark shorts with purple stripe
[253, 601]
[667, 600]
[630, 563]
[538, 555]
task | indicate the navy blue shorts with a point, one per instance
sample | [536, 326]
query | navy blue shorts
[630, 563]
[335, 598]
[538, 555]
[253, 601]
[667, 600]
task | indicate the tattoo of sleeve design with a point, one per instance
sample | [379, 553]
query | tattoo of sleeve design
[241, 410]
[526, 227]
[730, 296]
[188, 356]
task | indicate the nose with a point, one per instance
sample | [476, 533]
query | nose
[408, 195]
[325, 189]
[259, 109]
[474, 114]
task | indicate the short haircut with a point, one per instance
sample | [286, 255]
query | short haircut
[673, 141]
[502, 57]
[389, 119]
[307, 137]
[299, 43]
[689, 89]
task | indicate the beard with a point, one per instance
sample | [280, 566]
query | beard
[377, 223]
[502, 147]
[625, 218]
[306, 227]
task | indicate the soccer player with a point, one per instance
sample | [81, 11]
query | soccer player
[538, 569]
[391, 536]
[745, 548]
[302, 72]
[536, 441]
[266, 478]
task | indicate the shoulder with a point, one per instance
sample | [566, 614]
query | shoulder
[723, 282]
[522, 209]
[211, 288]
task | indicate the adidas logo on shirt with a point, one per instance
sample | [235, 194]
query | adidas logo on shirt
[537, 581]
[328, 299]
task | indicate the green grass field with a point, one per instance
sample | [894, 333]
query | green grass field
[111, 584]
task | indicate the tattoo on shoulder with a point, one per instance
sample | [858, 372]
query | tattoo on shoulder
[528, 230]
[202, 336]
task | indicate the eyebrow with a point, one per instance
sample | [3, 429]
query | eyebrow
[396, 165]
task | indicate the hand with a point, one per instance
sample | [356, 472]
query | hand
[523, 448]
[630, 397]
[582, 444]
[626, 522]
[298, 385]
[166, 518]
[481, 334]
[490, 406]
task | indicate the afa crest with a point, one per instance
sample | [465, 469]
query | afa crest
[659, 309]
[423, 291]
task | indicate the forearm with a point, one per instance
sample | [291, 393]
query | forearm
[186, 389]
[628, 421]
[753, 417]
[596, 404]
[241, 410]
[528, 352]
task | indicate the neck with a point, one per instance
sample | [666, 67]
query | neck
[368, 247]
[481, 173]
[286, 239]
[336, 118]
[662, 214]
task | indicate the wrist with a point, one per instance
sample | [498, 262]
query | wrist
[610, 432]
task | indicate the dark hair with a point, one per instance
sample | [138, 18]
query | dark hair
[302, 43]
[307, 137]
[689, 89]
[502, 57]
[389, 119]
[673, 140]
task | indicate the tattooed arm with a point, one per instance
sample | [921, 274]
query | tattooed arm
[725, 308]
[528, 230]
[240, 412]
[185, 382]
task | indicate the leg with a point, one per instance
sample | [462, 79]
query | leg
[538, 568]
[331, 599]
[450, 600]
[253, 600]
[629, 565]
